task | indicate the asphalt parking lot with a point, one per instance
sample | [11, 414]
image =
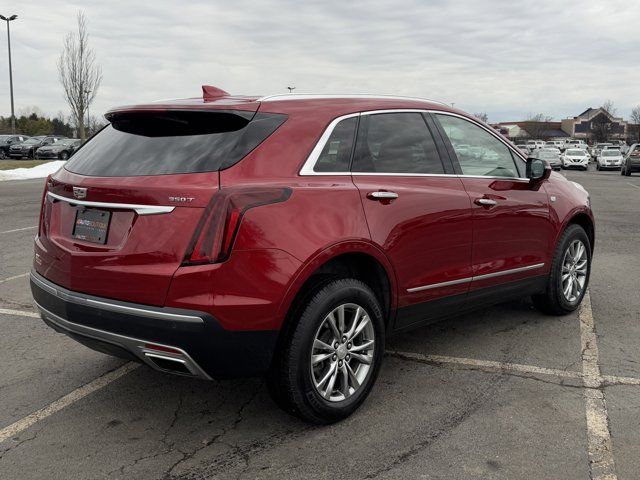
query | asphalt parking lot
[500, 394]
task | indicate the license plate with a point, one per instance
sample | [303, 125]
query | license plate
[91, 225]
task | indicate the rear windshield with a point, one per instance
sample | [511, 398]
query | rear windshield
[162, 143]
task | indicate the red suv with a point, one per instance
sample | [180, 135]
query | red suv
[286, 236]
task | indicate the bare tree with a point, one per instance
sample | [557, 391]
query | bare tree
[635, 119]
[79, 73]
[609, 107]
[536, 125]
[482, 116]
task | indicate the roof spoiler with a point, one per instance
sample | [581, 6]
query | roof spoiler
[210, 93]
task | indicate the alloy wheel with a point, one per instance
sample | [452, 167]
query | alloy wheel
[342, 352]
[574, 271]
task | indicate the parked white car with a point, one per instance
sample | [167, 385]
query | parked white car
[575, 144]
[551, 155]
[534, 144]
[575, 158]
[553, 149]
[609, 158]
[598, 147]
[559, 144]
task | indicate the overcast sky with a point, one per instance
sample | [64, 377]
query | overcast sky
[507, 58]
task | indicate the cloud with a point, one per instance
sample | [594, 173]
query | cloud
[507, 58]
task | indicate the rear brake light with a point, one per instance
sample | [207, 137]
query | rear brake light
[217, 229]
[48, 183]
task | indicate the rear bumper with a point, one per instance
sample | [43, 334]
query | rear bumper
[184, 342]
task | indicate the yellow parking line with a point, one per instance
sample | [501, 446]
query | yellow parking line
[599, 443]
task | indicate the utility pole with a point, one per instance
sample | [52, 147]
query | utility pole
[87, 92]
[13, 116]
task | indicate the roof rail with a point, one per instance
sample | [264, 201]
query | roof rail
[310, 96]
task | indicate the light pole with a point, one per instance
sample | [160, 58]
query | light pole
[291, 89]
[13, 117]
[87, 92]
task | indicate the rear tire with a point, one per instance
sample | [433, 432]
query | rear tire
[569, 276]
[64, 156]
[627, 171]
[312, 378]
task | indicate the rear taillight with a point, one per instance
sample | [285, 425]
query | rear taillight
[43, 203]
[217, 229]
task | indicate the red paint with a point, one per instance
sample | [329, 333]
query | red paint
[433, 233]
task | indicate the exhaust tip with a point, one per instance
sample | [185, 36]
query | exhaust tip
[169, 364]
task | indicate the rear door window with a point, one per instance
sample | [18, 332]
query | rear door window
[396, 143]
[172, 142]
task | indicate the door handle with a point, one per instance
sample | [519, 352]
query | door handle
[485, 202]
[382, 195]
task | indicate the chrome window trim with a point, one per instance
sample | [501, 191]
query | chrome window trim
[309, 164]
[139, 209]
[113, 307]
[476, 278]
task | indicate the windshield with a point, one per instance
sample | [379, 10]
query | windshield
[575, 153]
[33, 141]
[547, 155]
[65, 141]
[162, 143]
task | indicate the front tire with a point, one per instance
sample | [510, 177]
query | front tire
[330, 357]
[569, 276]
[64, 156]
[627, 171]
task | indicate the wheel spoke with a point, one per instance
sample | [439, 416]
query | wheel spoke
[361, 326]
[568, 287]
[345, 380]
[332, 382]
[368, 345]
[352, 377]
[327, 375]
[341, 320]
[579, 251]
[356, 318]
[320, 345]
[366, 359]
[316, 359]
[331, 320]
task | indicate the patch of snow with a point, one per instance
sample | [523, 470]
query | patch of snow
[39, 171]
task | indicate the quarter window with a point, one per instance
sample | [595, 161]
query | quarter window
[396, 143]
[479, 153]
[336, 154]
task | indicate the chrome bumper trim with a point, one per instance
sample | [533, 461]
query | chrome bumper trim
[135, 346]
[68, 296]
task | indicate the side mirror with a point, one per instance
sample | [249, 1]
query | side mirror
[537, 170]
